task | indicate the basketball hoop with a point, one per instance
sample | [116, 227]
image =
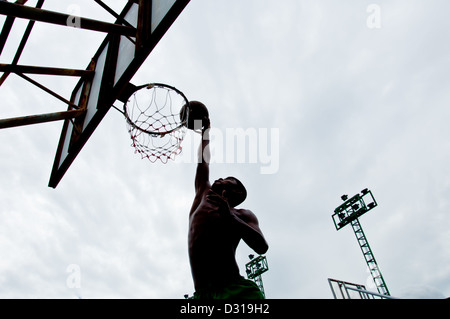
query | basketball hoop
[156, 127]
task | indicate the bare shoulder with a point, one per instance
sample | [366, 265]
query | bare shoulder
[246, 215]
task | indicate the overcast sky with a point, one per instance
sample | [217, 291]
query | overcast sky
[341, 95]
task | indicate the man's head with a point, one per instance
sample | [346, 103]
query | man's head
[234, 190]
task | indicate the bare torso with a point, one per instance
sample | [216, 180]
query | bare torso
[212, 246]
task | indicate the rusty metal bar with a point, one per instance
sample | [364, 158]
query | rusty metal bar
[24, 40]
[59, 97]
[113, 13]
[41, 118]
[7, 28]
[144, 24]
[13, 68]
[18, 11]
[5, 32]
[119, 18]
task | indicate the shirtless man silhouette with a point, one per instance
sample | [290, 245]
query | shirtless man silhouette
[215, 230]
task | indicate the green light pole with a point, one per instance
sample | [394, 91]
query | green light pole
[255, 268]
[348, 213]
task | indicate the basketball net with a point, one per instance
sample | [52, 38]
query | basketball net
[153, 121]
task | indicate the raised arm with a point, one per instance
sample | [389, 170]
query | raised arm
[202, 182]
[204, 156]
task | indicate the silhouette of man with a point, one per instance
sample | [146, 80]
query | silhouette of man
[215, 230]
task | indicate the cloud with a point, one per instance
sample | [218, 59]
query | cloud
[355, 107]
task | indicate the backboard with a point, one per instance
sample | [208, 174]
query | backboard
[118, 58]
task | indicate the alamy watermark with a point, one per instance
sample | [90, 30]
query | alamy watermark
[74, 19]
[240, 146]
[374, 18]
[73, 280]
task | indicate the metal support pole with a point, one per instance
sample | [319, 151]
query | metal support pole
[59, 97]
[348, 213]
[18, 11]
[28, 69]
[370, 258]
[255, 268]
[41, 118]
[24, 40]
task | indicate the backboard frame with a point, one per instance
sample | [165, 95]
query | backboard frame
[97, 92]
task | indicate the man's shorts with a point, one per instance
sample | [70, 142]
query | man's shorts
[241, 288]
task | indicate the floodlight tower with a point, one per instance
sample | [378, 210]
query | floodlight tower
[348, 213]
[255, 268]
